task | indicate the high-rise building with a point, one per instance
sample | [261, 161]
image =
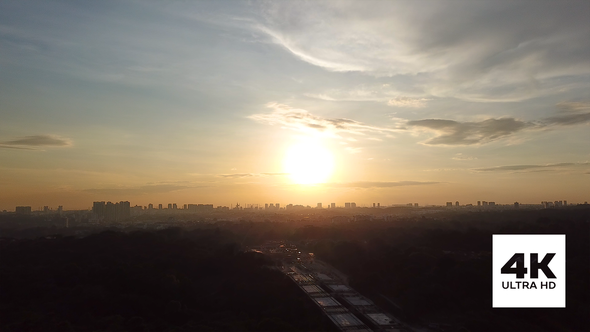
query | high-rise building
[185, 207]
[98, 209]
[564, 203]
[478, 203]
[352, 204]
[373, 204]
[378, 205]
[333, 205]
[347, 205]
[278, 206]
[112, 211]
[169, 206]
[46, 209]
[150, 206]
[266, 206]
[23, 210]
[60, 209]
[319, 206]
[136, 211]
[202, 207]
[449, 204]
[415, 204]
[159, 206]
[457, 203]
[516, 205]
[174, 206]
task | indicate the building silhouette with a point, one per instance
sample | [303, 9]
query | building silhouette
[111, 211]
[23, 210]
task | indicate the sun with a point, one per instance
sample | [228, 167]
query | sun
[308, 163]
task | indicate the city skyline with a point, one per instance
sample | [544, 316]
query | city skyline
[202, 207]
[293, 102]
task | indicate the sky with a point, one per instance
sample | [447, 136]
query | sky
[293, 102]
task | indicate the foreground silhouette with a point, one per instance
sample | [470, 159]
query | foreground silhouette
[168, 280]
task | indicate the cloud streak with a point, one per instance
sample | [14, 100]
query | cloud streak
[247, 175]
[302, 120]
[451, 132]
[142, 190]
[510, 168]
[32, 142]
[379, 184]
[494, 51]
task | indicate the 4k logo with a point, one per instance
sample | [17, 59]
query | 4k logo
[520, 270]
[528, 271]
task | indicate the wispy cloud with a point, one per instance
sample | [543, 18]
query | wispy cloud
[304, 121]
[407, 102]
[451, 132]
[141, 190]
[573, 106]
[378, 93]
[237, 175]
[520, 60]
[460, 156]
[570, 113]
[353, 150]
[247, 175]
[33, 142]
[379, 184]
[510, 168]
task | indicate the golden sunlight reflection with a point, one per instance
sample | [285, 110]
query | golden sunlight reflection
[308, 162]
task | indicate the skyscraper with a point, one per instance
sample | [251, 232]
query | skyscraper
[98, 209]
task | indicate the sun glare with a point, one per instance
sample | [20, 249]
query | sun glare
[308, 163]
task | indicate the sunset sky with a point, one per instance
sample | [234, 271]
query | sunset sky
[293, 102]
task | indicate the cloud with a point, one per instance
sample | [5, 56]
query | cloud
[238, 175]
[573, 106]
[352, 150]
[302, 120]
[570, 113]
[381, 93]
[3, 146]
[148, 189]
[460, 156]
[31, 142]
[385, 184]
[447, 132]
[451, 132]
[567, 119]
[408, 102]
[492, 51]
[529, 167]
[247, 175]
